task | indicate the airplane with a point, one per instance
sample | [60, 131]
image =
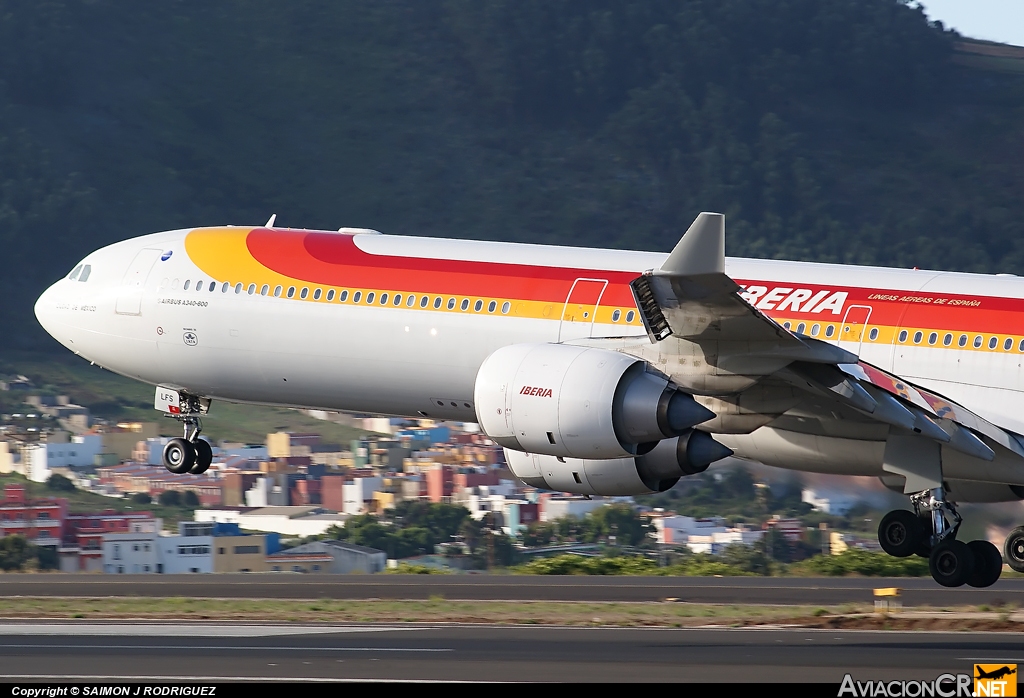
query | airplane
[600, 372]
[994, 674]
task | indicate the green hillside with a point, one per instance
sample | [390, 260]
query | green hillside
[115, 398]
[839, 130]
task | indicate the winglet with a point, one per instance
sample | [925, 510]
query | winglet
[701, 249]
[270, 223]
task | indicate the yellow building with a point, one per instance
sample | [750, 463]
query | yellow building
[122, 439]
[239, 554]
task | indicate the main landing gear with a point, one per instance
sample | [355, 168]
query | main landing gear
[189, 454]
[930, 531]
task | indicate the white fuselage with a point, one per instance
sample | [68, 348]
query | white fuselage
[140, 314]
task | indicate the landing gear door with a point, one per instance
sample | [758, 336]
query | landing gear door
[129, 295]
[580, 308]
[854, 327]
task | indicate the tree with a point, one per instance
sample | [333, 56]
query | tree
[59, 483]
[15, 551]
[191, 499]
[142, 498]
[170, 498]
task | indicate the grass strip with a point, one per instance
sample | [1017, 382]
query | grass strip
[436, 609]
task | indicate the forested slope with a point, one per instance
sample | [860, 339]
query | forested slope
[836, 130]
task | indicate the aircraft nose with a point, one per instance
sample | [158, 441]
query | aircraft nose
[46, 311]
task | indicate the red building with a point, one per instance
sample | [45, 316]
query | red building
[39, 520]
[791, 529]
[440, 482]
[474, 478]
[306, 492]
[332, 492]
[83, 536]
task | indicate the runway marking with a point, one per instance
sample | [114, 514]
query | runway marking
[199, 630]
[233, 647]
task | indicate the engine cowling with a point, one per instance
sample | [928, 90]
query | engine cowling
[578, 402]
[655, 471]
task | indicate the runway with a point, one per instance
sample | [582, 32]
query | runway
[746, 590]
[219, 652]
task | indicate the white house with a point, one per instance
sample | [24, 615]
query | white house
[80, 452]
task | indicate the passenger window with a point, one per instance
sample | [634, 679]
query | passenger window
[265, 289]
[291, 292]
[199, 285]
[174, 284]
[616, 314]
[303, 293]
[383, 299]
[1007, 344]
[903, 335]
[188, 282]
[213, 286]
[437, 302]
[831, 330]
[465, 304]
[993, 342]
[424, 302]
[316, 294]
[357, 296]
[411, 301]
[629, 316]
[238, 287]
[451, 304]
[74, 273]
[491, 306]
[277, 291]
[873, 334]
[225, 287]
[478, 306]
[815, 329]
[251, 290]
[343, 297]
[917, 337]
[330, 295]
[947, 340]
[398, 299]
[962, 341]
[977, 341]
[1020, 347]
[933, 338]
[786, 324]
[505, 307]
[369, 297]
[800, 328]
[86, 270]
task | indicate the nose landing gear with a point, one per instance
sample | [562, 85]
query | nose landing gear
[188, 454]
[930, 531]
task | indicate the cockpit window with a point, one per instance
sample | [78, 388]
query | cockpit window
[74, 274]
[86, 270]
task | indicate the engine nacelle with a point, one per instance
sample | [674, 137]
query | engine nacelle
[656, 471]
[578, 402]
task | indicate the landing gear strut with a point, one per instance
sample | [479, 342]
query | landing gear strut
[930, 531]
[188, 454]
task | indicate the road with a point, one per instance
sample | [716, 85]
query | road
[747, 590]
[198, 652]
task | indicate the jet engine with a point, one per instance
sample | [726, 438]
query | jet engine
[655, 471]
[579, 402]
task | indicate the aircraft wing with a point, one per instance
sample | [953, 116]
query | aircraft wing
[691, 305]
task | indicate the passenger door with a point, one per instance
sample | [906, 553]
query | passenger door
[580, 308]
[129, 295]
